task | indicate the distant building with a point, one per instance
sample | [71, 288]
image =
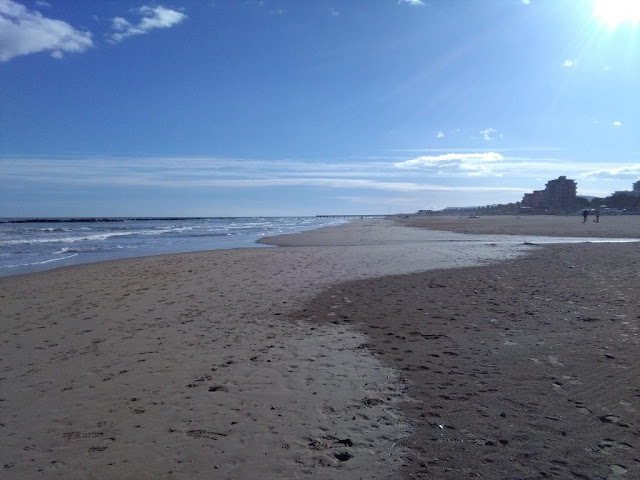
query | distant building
[534, 200]
[635, 192]
[559, 196]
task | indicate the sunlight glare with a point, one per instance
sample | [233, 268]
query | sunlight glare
[614, 12]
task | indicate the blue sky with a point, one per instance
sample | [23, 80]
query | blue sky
[292, 107]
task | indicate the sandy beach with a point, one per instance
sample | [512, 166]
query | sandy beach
[609, 226]
[368, 350]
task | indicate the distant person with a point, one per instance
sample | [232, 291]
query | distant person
[597, 214]
[585, 214]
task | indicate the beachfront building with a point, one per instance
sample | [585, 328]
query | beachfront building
[559, 196]
[635, 192]
[534, 200]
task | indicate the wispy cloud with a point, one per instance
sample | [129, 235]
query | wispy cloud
[568, 63]
[415, 3]
[24, 31]
[223, 173]
[468, 163]
[631, 172]
[499, 173]
[440, 134]
[152, 18]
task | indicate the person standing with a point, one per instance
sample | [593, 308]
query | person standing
[597, 214]
[585, 214]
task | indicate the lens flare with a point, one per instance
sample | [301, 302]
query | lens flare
[615, 12]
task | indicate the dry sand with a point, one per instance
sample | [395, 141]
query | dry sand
[622, 226]
[204, 365]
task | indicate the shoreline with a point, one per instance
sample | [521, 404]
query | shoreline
[40, 246]
[532, 229]
[195, 362]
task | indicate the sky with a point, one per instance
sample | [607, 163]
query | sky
[312, 107]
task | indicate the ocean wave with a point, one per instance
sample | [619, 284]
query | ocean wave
[27, 248]
[72, 250]
[206, 235]
[43, 262]
[95, 237]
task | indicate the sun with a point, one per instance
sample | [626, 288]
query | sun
[614, 12]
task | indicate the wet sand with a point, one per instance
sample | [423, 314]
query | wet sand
[345, 355]
[525, 369]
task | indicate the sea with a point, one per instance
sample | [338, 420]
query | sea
[33, 245]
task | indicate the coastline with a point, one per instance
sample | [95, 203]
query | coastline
[206, 361]
[33, 245]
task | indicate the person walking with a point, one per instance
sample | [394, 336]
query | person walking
[585, 214]
[597, 214]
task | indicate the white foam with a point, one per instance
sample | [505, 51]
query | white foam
[39, 263]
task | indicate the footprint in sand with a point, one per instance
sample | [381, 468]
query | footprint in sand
[614, 420]
[582, 408]
[618, 469]
[205, 434]
[609, 446]
[80, 435]
[553, 360]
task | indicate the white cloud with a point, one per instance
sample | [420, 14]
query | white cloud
[526, 2]
[223, 173]
[152, 18]
[568, 63]
[487, 133]
[24, 31]
[415, 3]
[451, 163]
[334, 12]
[617, 124]
[631, 172]
[440, 134]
